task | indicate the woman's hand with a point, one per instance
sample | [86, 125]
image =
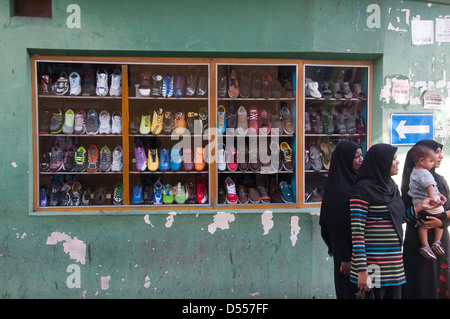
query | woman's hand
[364, 281]
[431, 222]
[345, 268]
[427, 204]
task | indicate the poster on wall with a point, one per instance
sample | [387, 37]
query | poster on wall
[442, 30]
[422, 32]
[432, 100]
[400, 91]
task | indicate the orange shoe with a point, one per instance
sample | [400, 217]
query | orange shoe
[179, 124]
[199, 159]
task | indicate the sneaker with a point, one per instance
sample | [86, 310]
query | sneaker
[253, 121]
[244, 85]
[86, 196]
[116, 83]
[286, 192]
[116, 123]
[274, 192]
[56, 159]
[92, 126]
[167, 90]
[233, 85]
[43, 197]
[191, 84]
[69, 118]
[134, 125]
[179, 86]
[256, 85]
[199, 162]
[275, 163]
[75, 83]
[202, 193]
[286, 153]
[105, 122]
[144, 84]
[175, 159]
[221, 117]
[203, 117]
[145, 126]
[230, 190]
[44, 162]
[56, 122]
[100, 195]
[61, 86]
[267, 81]
[221, 196]
[253, 195]
[168, 122]
[275, 122]
[87, 86]
[179, 123]
[231, 156]
[264, 125]
[80, 159]
[288, 122]
[157, 121]
[261, 184]
[139, 155]
[157, 193]
[54, 197]
[426, 252]
[253, 157]
[105, 159]
[147, 196]
[188, 162]
[242, 194]
[44, 122]
[231, 119]
[179, 193]
[243, 159]
[202, 86]
[77, 194]
[117, 156]
[92, 165]
[44, 84]
[69, 159]
[102, 83]
[189, 187]
[118, 194]
[136, 198]
[164, 160]
[167, 194]
[66, 197]
[80, 122]
[223, 83]
[242, 123]
[437, 248]
[157, 84]
[153, 160]
[221, 157]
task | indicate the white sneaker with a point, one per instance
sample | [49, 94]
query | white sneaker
[221, 157]
[116, 127]
[105, 122]
[102, 83]
[116, 83]
[117, 155]
[80, 122]
[75, 83]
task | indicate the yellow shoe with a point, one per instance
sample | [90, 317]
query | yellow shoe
[144, 128]
[153, 160]
[199, 162]
[179, 123]
[157, 122]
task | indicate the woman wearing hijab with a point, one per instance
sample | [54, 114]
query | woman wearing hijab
[377, 212]
[426, 279]
[334, 219]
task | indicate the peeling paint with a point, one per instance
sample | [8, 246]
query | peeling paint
[170, 219]
[221, 220]
[266, 219]
[14, 164]
[147, 282]
[147, 220]
[295, 229]
[105, 282]
[74, 247]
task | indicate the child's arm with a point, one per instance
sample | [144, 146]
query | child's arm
[430, 191]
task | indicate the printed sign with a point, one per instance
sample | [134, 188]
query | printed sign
[422, 32]
[409, 128]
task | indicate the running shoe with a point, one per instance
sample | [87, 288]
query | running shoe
[164, 161]
[191, 84]
[44, 122]
[77, 194]
[92, 165]
[286, 192]
[116, 83]
[75, 83]
[118, 194]
[253, 121]
[202, 86]
[56, 122]
[288, 121]
[242, 121]
[86, 196]
[230, 189]
[231, 156]
[179, 86]
[179, 193]
[80, 159]
[61, 86]
[105, 159]
[116, 123]
[167, 90]
[168, 122]
[92, 126]
[221, 117]
[65, 195]
[157, 121]
[145, 126]
[202, 191]
[105, 122]
[231, 119]
[190, 122]
[80, 122]
[69, 119]
[179, 123]
[153, 160]
[144, 84]
[43, 197]
[56, 159]
[147, 194]
[199, 161]
[87, 86]
[136, 198]
[157, 84]
[44, 162]
[69, 159]
[44, 84]
[188, 161]
[221, 157]
[102, 82]
[157, 193]
[134, 124]
[167, 194]
[286, 153]
[175, 159]
[139, 154]
[189, 188]
[117, 156]
[203, 117]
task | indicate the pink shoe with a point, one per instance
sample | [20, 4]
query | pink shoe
[253, 122]
[188, 163]
[264, 127]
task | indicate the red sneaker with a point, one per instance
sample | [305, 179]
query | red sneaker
[230, 189]
[253, 122]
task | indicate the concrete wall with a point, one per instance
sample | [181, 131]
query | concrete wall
[212, 254]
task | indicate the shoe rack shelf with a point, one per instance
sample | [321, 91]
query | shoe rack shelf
[284, 78]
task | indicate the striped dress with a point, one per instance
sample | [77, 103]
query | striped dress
[376, 245]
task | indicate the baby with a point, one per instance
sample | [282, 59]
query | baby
[421, 186]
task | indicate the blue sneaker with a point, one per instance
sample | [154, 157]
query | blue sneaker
[286, 192]
[157, 193]
[175, 159]
[43, 197]
[164, 160]
[137, 195]
[167, 90]
[167, 194]
[221, 116]
[92, 124]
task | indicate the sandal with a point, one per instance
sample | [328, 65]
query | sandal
[267, 80]
[233, 85]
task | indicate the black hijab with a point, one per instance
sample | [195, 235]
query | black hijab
[334, 212]
[375, 185]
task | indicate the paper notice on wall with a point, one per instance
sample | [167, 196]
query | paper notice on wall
[400, 91]
[432, 100]
[422, 32]
[442, 30]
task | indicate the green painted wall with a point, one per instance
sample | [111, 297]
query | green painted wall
[257, 254]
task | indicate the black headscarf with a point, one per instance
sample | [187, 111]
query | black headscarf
[375, 185]
[334, 213]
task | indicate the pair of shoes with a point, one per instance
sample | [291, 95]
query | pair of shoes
[155, 125]
[103, 87]
[427, 252]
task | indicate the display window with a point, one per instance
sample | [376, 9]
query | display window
[153, 134]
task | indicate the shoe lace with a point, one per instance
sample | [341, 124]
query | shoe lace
[80, 120]
[153, 155]
[79, 157]
[287, 156]
[140, 155]
[93, 157]
[147, 120]
[231, 189]
[253, 116]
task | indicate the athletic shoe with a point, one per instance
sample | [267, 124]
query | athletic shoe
[86, 196]
[80, 159]
[232, 163]
[136, 198]
[286, 153]
[167, 90]
[157, 84]
[65, 193]
[153, 160]
[44, 162]
[203, 117]
[179, 123]
[117, 155]
[243, 159]
[179, 86]
[105, 159]
[102, 83]
[189, 188]
[100, 195]
[134, 124]
[230, 190]
[175, 159]
[179, 193]
[202, 192]
[221, 196]
[44, 122]
[157, 121]
[56, 159]
[168, 122]
[253, 157]
[223, 84]
[145, 126]
[286, 192]
[190, 122]
[275, 194]
[92, 126]
[202, 86]
[92, 165]
[43, 197]
[144, 84]
[116, 125]
[231, 119]
[242, 194]
[116, 83]
[261, 182]
[61, 86]
[221, 157]
[147, 194]
[242, 122]
[167, 194]
[253, 121]
[164, 161]
[80, 122]
[199, 162]
[288, 122]
[105, 122]
[75, 83]
[275, 163]
[68, 122]
[188, 161]
[56, 122]
[191, 84]
[54, 197]
[221, 117]
[87, 86]
[118, 194]
[275, 121]
[264, 125]
[44, 82]
[77, 194]
[157, 193]
[139, 155]
[69, 159]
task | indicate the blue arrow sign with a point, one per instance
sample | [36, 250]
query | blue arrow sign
[409, 128]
